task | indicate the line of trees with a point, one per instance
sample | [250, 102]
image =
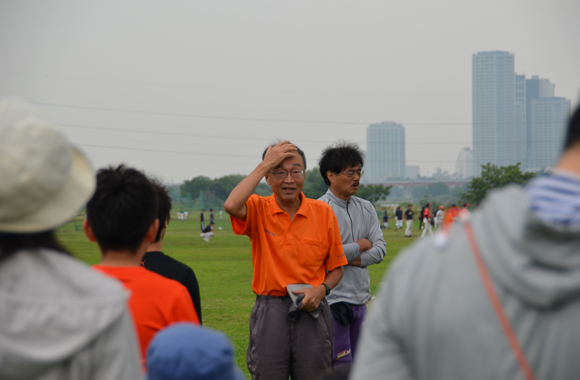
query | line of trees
[222, 186]
[492, 177]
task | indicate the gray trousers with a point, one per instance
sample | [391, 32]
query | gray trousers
[409, 229]
[280, 349]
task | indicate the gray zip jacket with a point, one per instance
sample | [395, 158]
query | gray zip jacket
[433, 319]
[61, 320]
[357, 219]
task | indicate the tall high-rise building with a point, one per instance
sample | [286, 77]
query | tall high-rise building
[515, 120]
[548, 118]
[464, 163]
[495, 136]
[535, 88]
[385, 152]
[520, 120]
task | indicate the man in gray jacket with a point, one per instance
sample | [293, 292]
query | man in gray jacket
[362, 239]
[433, 318]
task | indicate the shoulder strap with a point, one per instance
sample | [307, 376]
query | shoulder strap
[488, 285]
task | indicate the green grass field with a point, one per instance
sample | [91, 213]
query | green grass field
[223, 268]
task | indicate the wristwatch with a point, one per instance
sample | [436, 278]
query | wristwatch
[327, 288]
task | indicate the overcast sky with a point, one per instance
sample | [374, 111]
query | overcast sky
[188, 88]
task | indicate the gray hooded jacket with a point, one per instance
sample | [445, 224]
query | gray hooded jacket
[60, 320]
[433, 318]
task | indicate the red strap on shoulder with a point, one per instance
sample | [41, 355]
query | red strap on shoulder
[488, 285]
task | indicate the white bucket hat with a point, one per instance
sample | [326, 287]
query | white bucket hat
[44, 180]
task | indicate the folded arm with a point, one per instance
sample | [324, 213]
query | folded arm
[371, 250]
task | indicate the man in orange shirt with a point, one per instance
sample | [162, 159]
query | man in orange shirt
[122, 219]
[295, 240]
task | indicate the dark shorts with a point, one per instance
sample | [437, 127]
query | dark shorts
[280, 348]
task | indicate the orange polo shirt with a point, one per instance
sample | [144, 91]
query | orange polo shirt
[290, 252]
[156, 301]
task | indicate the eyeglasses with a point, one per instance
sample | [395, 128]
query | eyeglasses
[351, 173]
[282, 174]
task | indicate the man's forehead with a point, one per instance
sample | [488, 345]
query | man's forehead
[295, 161]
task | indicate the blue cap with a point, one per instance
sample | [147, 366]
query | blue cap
[186, 351]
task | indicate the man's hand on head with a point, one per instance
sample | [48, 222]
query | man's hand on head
[312, 297]
[278, 153]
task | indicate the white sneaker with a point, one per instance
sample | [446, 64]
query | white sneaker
[206, 239]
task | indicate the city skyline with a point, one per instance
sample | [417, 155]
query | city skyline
[515, 119]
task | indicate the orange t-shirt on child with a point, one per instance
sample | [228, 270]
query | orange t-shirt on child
[155, 302]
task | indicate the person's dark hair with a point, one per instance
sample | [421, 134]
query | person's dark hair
[573, 132]
[300, 152]
[163, 205]
[122, 209]
[338, 157]
[10, 243]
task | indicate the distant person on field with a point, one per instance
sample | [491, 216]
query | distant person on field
[409, 219]
[498, 299]
[202, 219]
[186, 215]
[385, 220]
[211, 216]
[362, 241]
[221, 214]
[399, 218]
[156, 261]
[439, 217]
[450, 216]
[421, 213]
[122, 219]
[60, 320]
[427, 220]
[295, 240]
[185, 351]
[207, 232]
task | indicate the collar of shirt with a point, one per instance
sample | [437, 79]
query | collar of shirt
[303, 210]
[339, 201]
